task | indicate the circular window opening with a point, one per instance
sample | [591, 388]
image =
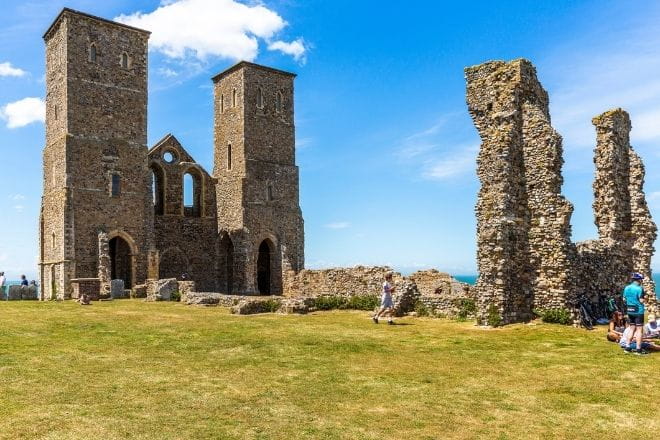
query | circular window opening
[169, 157]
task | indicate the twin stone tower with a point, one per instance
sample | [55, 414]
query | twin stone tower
[114, 209]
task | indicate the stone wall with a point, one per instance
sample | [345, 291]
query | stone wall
[185, 236]
[526, 260]
[358, 280]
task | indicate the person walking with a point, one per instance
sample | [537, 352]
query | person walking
[386, 303]
[633, 295]
[2, 285]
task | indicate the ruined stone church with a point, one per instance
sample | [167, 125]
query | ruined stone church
[114, 209]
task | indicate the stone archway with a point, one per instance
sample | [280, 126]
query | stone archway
[121, 261]
[264, 273]
[226, 265]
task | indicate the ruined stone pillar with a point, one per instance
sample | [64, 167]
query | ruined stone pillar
[524, 253]
[104, 274]
[644, 230]
[611, 184]
[504, 284]
[550, 249]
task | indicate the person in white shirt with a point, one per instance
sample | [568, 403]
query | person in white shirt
[2, 285]
[651, 329]
[386, 303]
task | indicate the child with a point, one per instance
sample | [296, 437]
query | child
[651, 329]
[386, 303]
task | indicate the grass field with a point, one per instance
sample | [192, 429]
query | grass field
[129, 369]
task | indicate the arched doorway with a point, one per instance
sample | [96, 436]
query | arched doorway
[263, 268]
[226, 264]
[121, 261]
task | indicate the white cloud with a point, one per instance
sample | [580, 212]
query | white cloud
[21, 113]
[452, 164]
[439, 152]
[17, 197]
[338, 225]
[618, 70]
[203, 28]
[167, 72]
[19, 208]
[6, 69]
[295, 48]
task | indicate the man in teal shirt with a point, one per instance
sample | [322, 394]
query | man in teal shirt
[633, 296]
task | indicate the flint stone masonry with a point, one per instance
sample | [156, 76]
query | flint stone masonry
[17, 293]
[161, 290]
[89, 286]
[358, 280]
[432, 282]
[526, 260]
[112, 209]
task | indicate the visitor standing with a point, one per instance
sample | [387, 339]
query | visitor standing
[2, 285]
[386, 303]
[24, 281]
[633, 295]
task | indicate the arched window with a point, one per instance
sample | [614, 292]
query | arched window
[269, 192]
[233, 98]
[124, 60]
[279, 102]
[192, 194]
[260, 98]
[55, 112]
[115, 185]
[52, 241]
[158, 189]
[222, 103]
[92, 53]
[229, 156]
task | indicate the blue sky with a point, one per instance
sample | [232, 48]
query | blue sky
[386, 148]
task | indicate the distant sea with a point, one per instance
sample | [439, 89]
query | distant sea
[472, 279]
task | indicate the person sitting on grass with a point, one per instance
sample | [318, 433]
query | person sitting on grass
[651, 329]
[629, 344]
[84, 300]
[618, 324]
[386, 303]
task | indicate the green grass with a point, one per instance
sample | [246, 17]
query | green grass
[130, 369]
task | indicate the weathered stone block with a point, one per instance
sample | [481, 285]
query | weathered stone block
[161, 290]
[117, 289]
[139, 291]
[30, 293]
[256, 305]
[15, 293]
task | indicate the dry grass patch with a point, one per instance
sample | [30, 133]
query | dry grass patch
[129, 369]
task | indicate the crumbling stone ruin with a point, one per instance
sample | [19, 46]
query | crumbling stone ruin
[526, 260]
[113, 209]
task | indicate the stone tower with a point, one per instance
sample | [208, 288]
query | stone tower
[96, 215]
[259, 217]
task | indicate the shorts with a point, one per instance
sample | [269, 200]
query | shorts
[645, 346]
[636, 319]
[386, 301]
